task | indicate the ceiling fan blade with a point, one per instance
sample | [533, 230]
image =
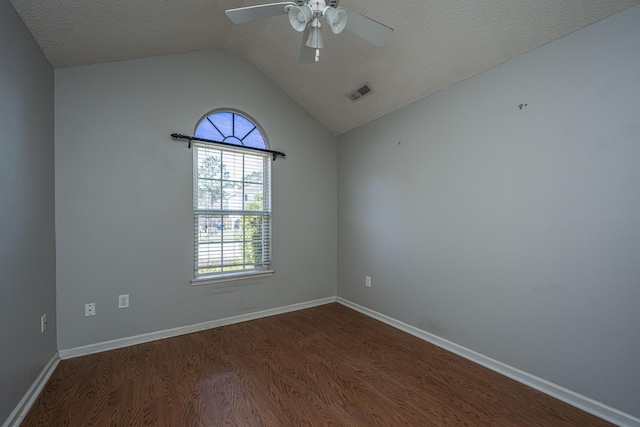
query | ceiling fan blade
[367, 28]
[306, 55]
[253, 13]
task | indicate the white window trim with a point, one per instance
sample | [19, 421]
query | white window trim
[233, 276]
[230, 277]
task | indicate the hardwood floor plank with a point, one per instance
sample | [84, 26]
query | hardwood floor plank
[324, 366]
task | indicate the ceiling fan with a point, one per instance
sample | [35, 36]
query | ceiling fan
[304, 16]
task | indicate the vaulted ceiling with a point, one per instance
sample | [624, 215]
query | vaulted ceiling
[435, 43]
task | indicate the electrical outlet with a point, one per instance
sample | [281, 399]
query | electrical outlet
[123, 301]
[367, 281]
[90, 309]
[43, 323]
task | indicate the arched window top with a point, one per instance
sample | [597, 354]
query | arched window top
[232, 127]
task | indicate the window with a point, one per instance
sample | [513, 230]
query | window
[231, 199]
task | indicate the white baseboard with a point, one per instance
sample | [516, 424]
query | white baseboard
[168, 333]
[21, 410]
[584, 403]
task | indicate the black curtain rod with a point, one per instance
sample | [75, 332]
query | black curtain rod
[275, 154]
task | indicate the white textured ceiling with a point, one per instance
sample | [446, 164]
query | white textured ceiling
[435, 44]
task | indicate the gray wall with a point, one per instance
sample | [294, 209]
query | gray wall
[27, 236]
[514, 233]
[124, 195]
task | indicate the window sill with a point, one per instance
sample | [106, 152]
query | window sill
[230, 277]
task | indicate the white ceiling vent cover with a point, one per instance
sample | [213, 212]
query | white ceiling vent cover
[360, 93]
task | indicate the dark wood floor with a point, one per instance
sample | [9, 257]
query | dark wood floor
[325, 366]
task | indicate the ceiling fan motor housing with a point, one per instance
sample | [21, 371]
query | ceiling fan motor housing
[330, 3]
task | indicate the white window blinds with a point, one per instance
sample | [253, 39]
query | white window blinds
[232, 210]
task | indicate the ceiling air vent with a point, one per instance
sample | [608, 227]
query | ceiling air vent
[360, 93]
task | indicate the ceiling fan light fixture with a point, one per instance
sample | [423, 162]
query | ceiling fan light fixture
[315, 38]
[336, 18]
[305, 16]
[300, 16]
